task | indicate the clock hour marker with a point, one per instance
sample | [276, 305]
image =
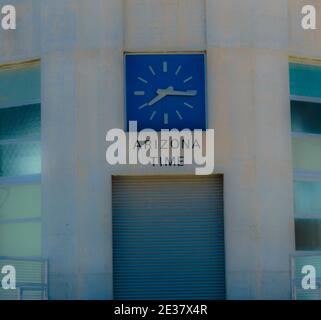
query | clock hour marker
[188, 79]
[152, 70]
[179, 115]
[178, 70]
[142, 80]
[143, 106]
[165, 67]
[165, 118]
[153, 115]
[188, 105]
[139, 93]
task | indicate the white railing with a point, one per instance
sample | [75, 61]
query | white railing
[299, 260]
[31, 279]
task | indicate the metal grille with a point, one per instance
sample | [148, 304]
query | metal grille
[31, 279]
[168, 237]
[297, 263]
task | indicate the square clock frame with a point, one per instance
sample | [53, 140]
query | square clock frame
[166, 91]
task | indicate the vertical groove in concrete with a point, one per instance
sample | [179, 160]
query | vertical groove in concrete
[249, 109]
[83, 93]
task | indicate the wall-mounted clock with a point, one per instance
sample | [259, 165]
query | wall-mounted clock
[166, 91]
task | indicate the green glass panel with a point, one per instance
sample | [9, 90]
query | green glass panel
[20, 85]
[306, 117]
[20, 122]
[307, 198]
[305, 80]
[306, 153]
[20, 159]
[21, 239]
[20, 201]
[308, 234]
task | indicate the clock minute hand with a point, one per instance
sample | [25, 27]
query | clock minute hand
[188, 93]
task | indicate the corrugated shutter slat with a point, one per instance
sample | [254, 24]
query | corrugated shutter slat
[168, 237]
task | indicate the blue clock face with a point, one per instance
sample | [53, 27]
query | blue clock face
[166, 91]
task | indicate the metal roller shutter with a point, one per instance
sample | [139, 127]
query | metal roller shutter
[168, 237]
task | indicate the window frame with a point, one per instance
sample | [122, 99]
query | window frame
[305, 175]
[28, 179]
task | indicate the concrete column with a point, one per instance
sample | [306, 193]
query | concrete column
[82, 69]
[24, 42]
[248, 93]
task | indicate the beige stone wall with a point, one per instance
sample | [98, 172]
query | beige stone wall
[304, 43]
[171, 25]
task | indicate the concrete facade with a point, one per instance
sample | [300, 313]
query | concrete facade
[81, 45]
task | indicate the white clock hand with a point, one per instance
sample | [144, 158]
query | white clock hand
[157, 98]
[160, 96]
[170, 92]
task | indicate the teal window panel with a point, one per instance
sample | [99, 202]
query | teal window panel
[20, 239]
[20, 201]
[308, 234]
[307, 153]
[307, 198]
[20, 122]
[305, 80]
[20, 159]
[20, 85]
[306, 117]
